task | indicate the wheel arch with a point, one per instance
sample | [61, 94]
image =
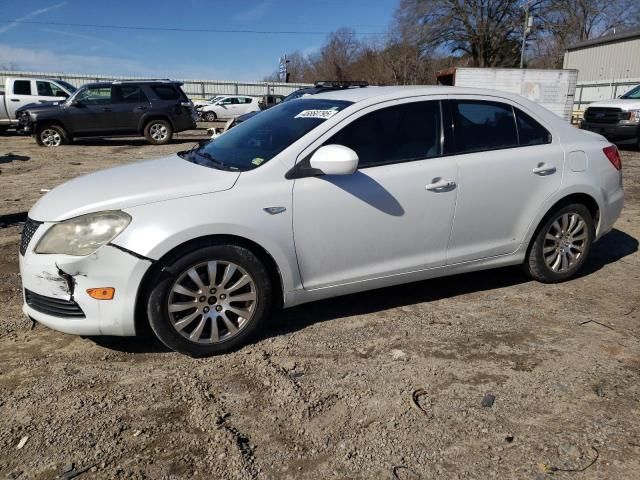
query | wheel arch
[275, 274]
[155, 116]
[38, 124]
[576, 197]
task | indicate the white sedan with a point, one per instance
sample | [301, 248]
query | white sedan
[230, 106]
[317, 197]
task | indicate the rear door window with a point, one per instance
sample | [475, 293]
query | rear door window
[128, 94]
[394, 134]
[22, 87]
[480, 126]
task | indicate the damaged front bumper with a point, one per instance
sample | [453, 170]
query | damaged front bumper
[55, 289]
[25, 124]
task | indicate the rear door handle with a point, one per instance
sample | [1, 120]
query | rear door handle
[440, 185]
[544, 169]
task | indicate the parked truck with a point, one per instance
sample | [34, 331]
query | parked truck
[22, 91]
[618, 120]
[553, 89]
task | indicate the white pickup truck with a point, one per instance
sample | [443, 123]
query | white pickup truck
[618, 120]
[22, 91]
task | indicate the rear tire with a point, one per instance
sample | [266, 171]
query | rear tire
[210, 116]
[561, 244]
[209, 301]
[51, 136]
[158, 132]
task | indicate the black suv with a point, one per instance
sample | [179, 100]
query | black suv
[153, 108]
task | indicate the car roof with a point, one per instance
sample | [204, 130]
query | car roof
[372, 95]
[384, 93]
[125, 82]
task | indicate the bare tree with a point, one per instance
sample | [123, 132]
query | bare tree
[489, 32]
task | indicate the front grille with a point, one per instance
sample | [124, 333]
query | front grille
[29, 229]
[24, 120]
[605, 115]
[56, 307]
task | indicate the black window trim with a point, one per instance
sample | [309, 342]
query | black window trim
[450, 109]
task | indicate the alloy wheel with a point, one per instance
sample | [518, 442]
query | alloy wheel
[158, 132]
[212, 302]
[565, 242]
[50, 137]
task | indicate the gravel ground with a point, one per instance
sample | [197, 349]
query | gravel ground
[327, 391]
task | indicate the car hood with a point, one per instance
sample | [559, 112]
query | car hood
[45, 107]
[623, 103]
[131, 185]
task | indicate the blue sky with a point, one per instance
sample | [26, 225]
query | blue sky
[230, 56]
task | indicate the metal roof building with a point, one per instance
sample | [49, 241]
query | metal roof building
[610, 58]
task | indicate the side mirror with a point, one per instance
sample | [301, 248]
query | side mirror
[335, 160]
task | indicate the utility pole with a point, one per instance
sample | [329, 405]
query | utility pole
[528, 23]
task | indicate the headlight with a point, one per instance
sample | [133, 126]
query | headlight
[635, 116]
[83, 235]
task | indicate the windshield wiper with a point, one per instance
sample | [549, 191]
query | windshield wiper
[187, 153]
[217, 163]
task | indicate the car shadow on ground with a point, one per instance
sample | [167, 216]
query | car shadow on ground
[12, 157]
[9, 219]
[612, 247]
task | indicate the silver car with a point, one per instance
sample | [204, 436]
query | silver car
[322, 196]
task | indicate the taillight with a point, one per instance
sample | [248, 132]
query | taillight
[613, 155]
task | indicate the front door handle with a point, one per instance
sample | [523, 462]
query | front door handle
[544, 169]
[15, 99]
[440, 185]
[137, 109]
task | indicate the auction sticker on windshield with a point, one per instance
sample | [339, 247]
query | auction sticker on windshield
[321, 114]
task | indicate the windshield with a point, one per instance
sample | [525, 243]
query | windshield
[633, 94]
[70, 88]
[297, 94]
[258, 140]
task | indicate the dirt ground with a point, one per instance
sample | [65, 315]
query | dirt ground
[327, 391]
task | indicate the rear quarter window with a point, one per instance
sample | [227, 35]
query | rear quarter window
[166, 92]
[531, 132]
[22, 87]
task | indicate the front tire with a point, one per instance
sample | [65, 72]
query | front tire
[209, 301]
[51, 136]
[158, 132]
[561, 244]
[210, 116]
